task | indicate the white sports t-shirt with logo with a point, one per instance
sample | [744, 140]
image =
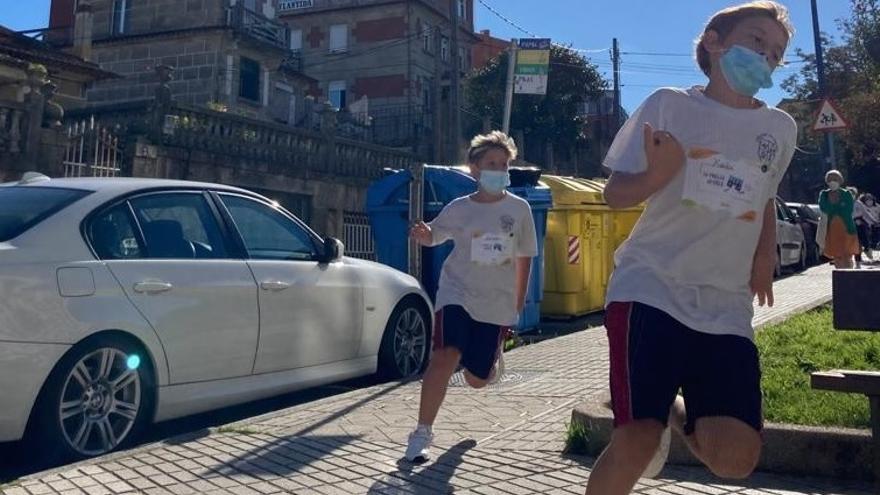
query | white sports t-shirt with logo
[691, 252]
[480, 273]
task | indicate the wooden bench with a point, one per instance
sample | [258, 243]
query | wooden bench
[855, 307]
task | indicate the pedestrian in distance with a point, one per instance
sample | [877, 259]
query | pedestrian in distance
[483, 282]
[837, 204]
[708, 161]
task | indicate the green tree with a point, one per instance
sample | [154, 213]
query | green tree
[554, 118]
[852, 78]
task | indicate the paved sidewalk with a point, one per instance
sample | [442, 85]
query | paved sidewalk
[506, 439]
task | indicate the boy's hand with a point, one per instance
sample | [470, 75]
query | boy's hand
[664, 153]
[761, 282]
[421, 233]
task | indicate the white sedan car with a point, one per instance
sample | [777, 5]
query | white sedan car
[128, 301]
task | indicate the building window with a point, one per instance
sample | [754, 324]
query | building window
[336, 92]
[296, 40]
[426, 38]
[462, 59]
[338, 38]
[121, 14]
[444, 49]
[462, 10]
[249, 79]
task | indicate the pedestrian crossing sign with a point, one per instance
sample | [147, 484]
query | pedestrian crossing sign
[829, 118]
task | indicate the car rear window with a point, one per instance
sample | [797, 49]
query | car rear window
[23, 207]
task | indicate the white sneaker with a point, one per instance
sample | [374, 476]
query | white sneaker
[498, 369]
[659, 460]
[419, 448]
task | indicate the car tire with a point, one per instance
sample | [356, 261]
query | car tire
[97, 399]
[406, 342]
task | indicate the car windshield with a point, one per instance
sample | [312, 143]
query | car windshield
[23, 207]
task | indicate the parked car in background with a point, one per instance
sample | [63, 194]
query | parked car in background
[128, 301]
[791, 250]
[808, 218]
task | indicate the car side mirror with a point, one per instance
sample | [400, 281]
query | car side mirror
[333, 250]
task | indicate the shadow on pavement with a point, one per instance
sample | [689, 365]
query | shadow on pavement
[430, 479]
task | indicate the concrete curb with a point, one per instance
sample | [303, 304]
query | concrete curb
[788, 449]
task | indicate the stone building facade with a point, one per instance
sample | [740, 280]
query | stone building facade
[230, 55]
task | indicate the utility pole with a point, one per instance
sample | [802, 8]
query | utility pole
[437, 96]
[454, 98]
[615, 61]
[508, 91]
[830, 159]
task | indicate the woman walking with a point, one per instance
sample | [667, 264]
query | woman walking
[837, 203]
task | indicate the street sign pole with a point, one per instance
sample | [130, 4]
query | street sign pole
[830, 159]
[508, 93]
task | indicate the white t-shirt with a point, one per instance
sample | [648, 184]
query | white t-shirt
[691, 252]
[480, 273]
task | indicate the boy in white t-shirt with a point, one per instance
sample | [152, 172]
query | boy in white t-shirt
[483, 282]
[708, 161]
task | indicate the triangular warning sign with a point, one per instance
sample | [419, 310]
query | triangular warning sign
[829, 118]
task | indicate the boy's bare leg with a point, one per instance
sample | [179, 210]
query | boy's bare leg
[624, 460]
[434, 383]
[727, 446]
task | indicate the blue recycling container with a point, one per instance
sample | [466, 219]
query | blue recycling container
[388, 209]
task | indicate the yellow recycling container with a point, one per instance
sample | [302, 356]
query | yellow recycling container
[582, 235]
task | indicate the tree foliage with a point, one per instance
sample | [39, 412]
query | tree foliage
[852, 78]
[572, 81]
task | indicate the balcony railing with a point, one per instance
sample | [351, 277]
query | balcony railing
[258, 27]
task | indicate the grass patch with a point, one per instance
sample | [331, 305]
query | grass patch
[576, 439]
[805, 343]
[237, 430]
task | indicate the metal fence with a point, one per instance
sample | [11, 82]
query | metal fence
[91, 150]
[358, 236]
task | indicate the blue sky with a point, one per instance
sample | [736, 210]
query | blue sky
[652, 26]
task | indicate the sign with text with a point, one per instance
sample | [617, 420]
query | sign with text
[286, 5]
[532, 66]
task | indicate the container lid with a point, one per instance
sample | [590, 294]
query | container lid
[572, 191]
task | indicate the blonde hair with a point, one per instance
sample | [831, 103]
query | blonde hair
[482, 143]
[725, 20]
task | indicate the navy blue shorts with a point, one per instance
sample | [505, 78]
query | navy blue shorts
[653, 355]
[478, 342]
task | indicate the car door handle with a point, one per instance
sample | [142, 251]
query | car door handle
[152, 287]
[274, 285]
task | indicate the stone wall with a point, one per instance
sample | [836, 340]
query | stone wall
[330, 196]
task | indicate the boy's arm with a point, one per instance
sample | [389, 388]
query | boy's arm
[764, 260]
[523, 271]
[665, 159]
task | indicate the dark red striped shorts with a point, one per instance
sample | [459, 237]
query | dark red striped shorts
[653, 356]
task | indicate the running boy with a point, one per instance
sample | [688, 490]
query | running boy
[483, 282]
[708, 161]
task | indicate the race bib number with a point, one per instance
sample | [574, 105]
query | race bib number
[715, 182]
[491, 249]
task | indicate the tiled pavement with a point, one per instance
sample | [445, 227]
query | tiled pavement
[506, 439]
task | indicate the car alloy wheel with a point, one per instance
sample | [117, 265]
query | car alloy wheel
[410, 342]
[100, 400]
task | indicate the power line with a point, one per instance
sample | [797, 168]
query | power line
[533, 35]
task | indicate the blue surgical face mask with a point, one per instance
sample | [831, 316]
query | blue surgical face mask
[494, 181]
[746, 71]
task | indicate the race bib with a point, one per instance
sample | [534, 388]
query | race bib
[491, 249]
[723, 185]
